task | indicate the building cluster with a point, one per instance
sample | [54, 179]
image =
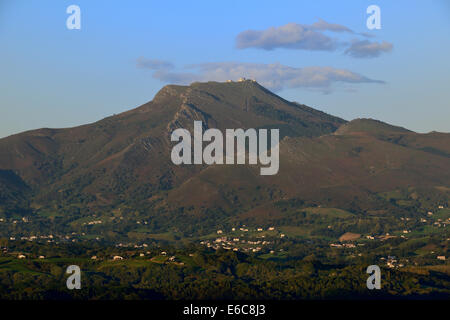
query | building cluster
[343, 245]
[50, 238]
[393, 262]
[242, 79]
[133, 245]
[92, 222]
[235, 244]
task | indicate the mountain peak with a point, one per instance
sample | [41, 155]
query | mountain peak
[242, 104]
[243, 86]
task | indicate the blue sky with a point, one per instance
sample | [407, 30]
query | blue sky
[55, 77]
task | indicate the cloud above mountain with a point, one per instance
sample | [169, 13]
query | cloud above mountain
[273, 76]
[289, 36]
[368, 49]
[319, 36]
[326, 26]
[313, 37]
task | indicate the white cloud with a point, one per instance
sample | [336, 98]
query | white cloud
[272, 76]
[312, 37]
[368, 49]
[325, 26]
[290, 36]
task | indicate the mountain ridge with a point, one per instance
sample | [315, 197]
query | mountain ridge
[123, 161]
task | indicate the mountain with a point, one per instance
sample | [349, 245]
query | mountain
[110, 156]
[122, 163]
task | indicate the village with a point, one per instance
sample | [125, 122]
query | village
[244, 239]
[260, 240]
